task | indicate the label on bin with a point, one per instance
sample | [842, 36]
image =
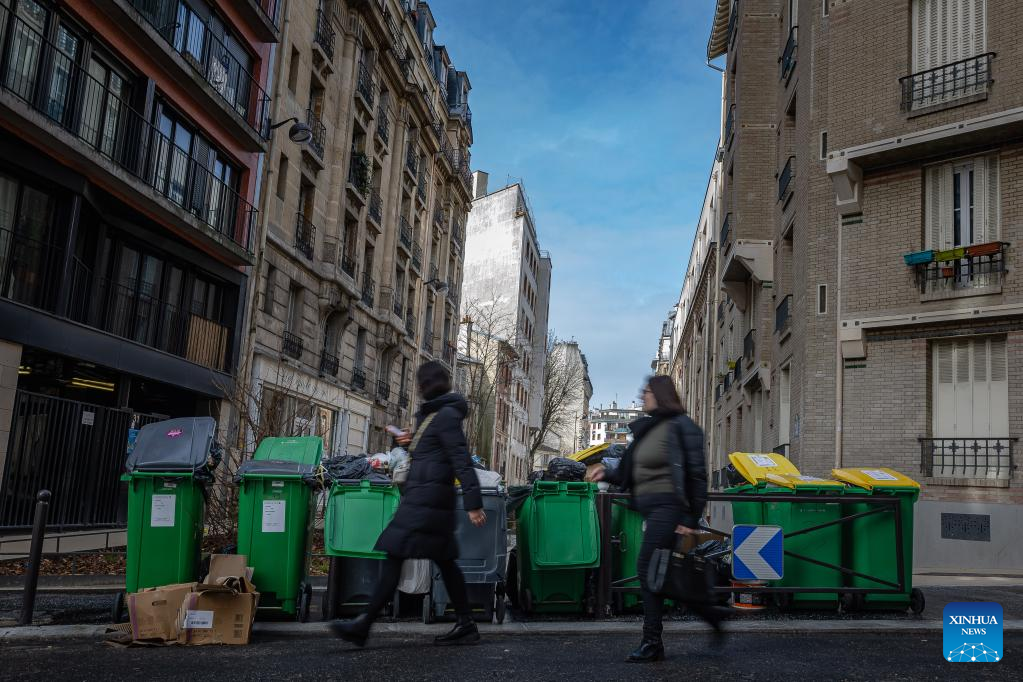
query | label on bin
[198, 620]
[763, 461]
[161, 514]
[273, 516]
[879, 475]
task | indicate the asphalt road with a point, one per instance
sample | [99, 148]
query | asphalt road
[760, 657]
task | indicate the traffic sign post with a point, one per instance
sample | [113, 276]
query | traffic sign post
[757, 553]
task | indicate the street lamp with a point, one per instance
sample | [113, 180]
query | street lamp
[299, 132]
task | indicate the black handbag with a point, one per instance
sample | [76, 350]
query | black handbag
[679, 575]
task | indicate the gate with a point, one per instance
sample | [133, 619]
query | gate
[73, 449]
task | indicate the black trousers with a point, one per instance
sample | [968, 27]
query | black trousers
[661, 514]
[454, 581]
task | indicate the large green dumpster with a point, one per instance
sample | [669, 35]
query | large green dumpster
[357, 513]
[558, 541]
[870, 540]
[274, 519]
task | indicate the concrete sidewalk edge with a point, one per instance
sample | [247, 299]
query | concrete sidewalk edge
[51, 633]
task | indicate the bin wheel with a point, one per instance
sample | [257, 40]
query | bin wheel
[850, 603]
[527, 600]
[428, 615]
[305, 598]
[326, 613]
[499, 609]
[783, 600]
[916, 600]
[117, 611]
[513, 579]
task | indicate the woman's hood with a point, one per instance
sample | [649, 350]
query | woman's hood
[447, 400]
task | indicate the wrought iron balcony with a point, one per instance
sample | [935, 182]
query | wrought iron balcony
[324, 36]
[990, 458]
[749, 345]
[329, 364]
[421, 187]
[368, 290]
[405, 234]
[428, 341]
[403, 399]
[319, 132]
[966, 79]
[726, 227]
[449, 354]
[782, 315]
[412, 158]
[785, 179]
[729, 125]
[359, 175]
[376, 207]
[190, 36]
[348, 266]
[397, 305]
[787, 62]
[975, 270]
[417, 256]
[358, 377]
[737, 372]
[271, 9]
[410, 323]
[305, 236]
[291, 345]
[383, 390]
[364, 85]
[383, 125]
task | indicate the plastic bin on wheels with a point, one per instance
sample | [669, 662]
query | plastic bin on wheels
[773, 474]
[557, 543]
[483, 558]
[357, 513]
[167, 473]
[870, 540]
[275, 519]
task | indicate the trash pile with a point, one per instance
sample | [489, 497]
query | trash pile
[384, 468]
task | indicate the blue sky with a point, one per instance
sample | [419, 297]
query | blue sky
[608, 113]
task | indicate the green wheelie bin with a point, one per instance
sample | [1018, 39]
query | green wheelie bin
[167, 473]
[870, 540]
[274, 520]
[558, 542]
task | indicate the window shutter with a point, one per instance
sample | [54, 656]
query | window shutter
[939, 205]
[980, 199]
[977, 12]
[992, 204]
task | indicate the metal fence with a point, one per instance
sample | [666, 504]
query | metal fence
[965, 78]
[967, 457]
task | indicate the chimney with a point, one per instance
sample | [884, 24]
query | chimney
[479, 184]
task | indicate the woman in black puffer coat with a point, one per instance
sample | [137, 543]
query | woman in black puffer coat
[424, 525]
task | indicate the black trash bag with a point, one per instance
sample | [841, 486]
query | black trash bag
[614, 451]
[611, 466]
[564, 469]
[347, 468]
[534, 476]
[732, 476]
[517, 495]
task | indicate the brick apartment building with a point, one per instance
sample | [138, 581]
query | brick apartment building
[131, 137]
[850, 300]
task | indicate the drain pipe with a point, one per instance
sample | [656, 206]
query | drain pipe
[839, 363]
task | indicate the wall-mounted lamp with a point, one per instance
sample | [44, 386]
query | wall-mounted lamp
[299, 132]
[439, 285]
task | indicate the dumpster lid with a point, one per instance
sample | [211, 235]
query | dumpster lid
[591, 453]
[173, 445]
[301, 450]
[802, 481]
[274, 467]
[877, 477]
[754, 467]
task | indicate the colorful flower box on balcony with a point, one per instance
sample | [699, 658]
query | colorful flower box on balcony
[989, 249]
[950, 254]
[731, 364]
[948, 271]
[919, 257]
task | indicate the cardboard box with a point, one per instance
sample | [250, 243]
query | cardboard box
[154, 612]
[221, 609]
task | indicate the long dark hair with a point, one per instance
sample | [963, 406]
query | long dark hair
[433, 379]
[665, 394]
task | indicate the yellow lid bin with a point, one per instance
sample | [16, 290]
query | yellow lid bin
[871, 478]
[755, 467]
[803, 481]
[591, 455]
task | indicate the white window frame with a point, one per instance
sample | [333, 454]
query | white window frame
[822, 299]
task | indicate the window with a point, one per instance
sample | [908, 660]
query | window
[104, 99]
[360, 349]
[282, 177]
[822, 299]
[970, 401]
[268, 292]
[295, 309]
[962, 203]
[293, 67]
[784, 404]
[947, 31]
[824, 145]
[825, 7]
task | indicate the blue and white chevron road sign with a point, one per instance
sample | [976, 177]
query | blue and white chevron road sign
[757, 553]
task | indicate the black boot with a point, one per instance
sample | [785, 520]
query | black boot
[464, 632]
[649, 650]
[355, 631]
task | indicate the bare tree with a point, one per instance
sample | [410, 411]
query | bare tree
[563, 385]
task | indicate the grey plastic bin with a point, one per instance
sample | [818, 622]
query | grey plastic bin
[175, 445]
[483, 558]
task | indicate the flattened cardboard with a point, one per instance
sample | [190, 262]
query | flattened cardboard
[154, 611]
[232, 616]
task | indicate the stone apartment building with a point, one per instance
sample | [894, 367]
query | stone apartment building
[573, 434]
[866, 308]
[132, 134]
[611, 424]
[507, 280]
[360, 272]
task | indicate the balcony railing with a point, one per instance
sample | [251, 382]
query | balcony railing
[417, 256]
[30, 269]
[721, 311]
[729, 125]
[449, 354]
[782, 315]
[405, 234]
[749, 345]
[305, 236]
[728, 381]
[440, 217]
[329, 364]
[291, 345]
[410, 323]
[319, 132]
[359, 175]
[190, 36]
[368, 290]
[358, 377]
[428, 341]
[383, 390]
[364, 85]
[787, 63]
[376, 207]
[348, 266]
[324, 36]
[403, 399]
[103, 121]
[968, 78]
[421, 187]
[456, 235]
[383, 125]
[398, 306]
[726, 226]
[412, 158]
[737, 371]
[990, 458]
[785, 179]
[978, 269]
[271, 9]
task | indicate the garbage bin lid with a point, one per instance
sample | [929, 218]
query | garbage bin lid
[274, 467]
[591, 453]
[878, 477]
[802, 481]
[754, 467]
[301, 449]
[173, 445]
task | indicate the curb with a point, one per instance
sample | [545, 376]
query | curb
[54, 633]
